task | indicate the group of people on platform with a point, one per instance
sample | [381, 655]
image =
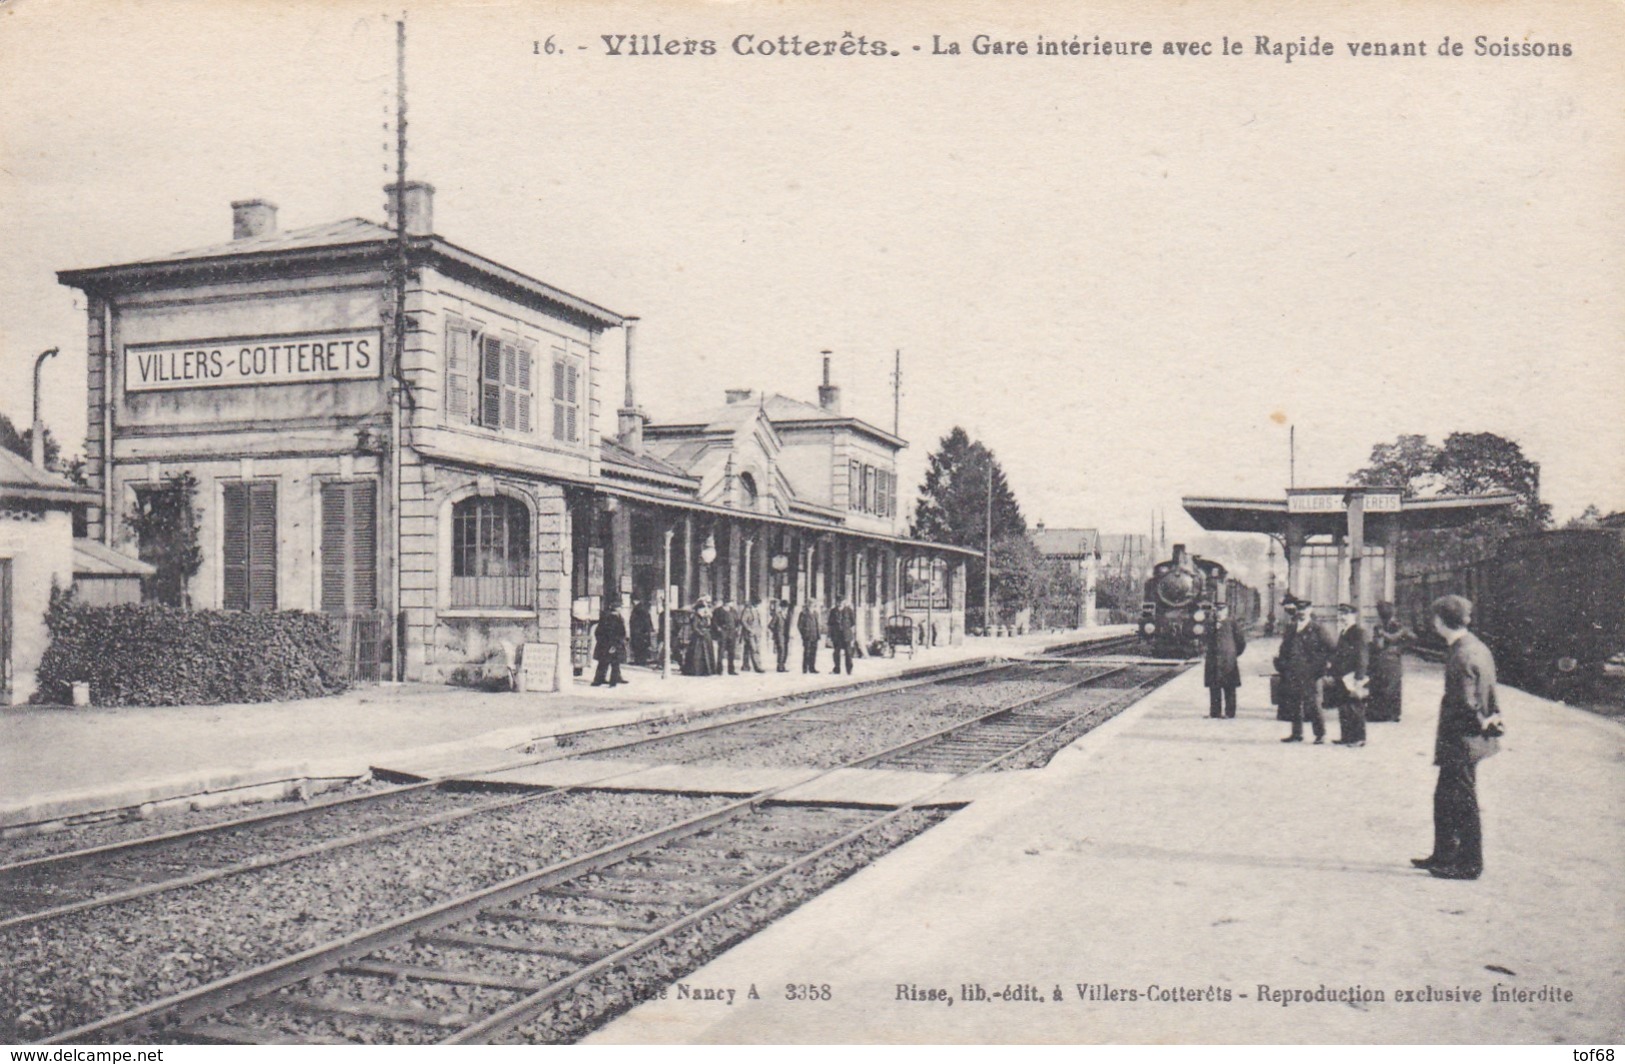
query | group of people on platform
[724, 637]
[1362, 676]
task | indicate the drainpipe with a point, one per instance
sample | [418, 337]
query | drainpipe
[39, 425]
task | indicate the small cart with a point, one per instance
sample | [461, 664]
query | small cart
[900, 633]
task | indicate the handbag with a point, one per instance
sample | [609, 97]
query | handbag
[1480, 747]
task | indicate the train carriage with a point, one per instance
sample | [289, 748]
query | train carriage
[1550, 605]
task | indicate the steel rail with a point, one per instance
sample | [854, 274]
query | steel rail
[511, 1016]
[415, 824]
[230, 990]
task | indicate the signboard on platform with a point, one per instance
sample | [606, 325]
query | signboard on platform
[539, 667]
[281, 358]
[1337, 502]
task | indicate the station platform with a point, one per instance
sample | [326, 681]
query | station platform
[60, 764]
[1174, 878]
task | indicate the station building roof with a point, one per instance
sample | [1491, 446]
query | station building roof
[22, 481]
[1068, 543]
[350, 241]
[1324, 511]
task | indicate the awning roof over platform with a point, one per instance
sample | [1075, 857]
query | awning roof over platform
[1324, 511]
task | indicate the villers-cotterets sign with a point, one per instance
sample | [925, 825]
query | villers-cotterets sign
[288, 358]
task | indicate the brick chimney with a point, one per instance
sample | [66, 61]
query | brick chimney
[419, 207]
[738, 395]
[251, 218]
[829, 396]
[629, 420]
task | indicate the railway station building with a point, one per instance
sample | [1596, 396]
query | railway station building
[468, 498]
[1342, 543]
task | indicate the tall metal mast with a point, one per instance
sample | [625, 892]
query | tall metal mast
[397, 396]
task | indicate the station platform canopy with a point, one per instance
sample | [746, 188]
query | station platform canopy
[1341, 543]
[1324, 511]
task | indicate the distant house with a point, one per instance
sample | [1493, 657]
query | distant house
[1079, 548]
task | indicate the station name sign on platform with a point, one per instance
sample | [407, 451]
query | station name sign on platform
[287, 358]
[1337, 503]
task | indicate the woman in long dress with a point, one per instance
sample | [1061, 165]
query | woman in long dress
[1387, 671]
[701, 657]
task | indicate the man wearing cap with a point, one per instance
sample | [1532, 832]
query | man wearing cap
[1302, 662]
[1347, 684]
[1468, 716]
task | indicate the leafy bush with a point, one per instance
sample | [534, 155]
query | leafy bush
[155, 655]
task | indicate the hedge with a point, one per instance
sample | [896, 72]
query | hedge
[155, 655]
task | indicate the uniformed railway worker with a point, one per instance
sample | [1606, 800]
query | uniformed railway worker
[611, 648]
[1349, 679]
[1304, 654]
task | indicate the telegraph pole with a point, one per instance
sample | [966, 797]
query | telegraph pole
[397, 399]
[897, 395]
[987, 556]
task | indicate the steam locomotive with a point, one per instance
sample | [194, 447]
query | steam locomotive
[1550, 605]
[1179, 601]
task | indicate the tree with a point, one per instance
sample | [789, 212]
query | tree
[1468, 463]
[1590, 517]
[23, 443]
[166, 526]
[952, 507]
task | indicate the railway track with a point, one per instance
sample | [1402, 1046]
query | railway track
[42, 888]
[53, 885]
[888, 832]
[477, 967]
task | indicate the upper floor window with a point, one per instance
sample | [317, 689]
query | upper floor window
[871, 490]
[488, 379]
[567, 371]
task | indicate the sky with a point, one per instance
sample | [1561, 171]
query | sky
[1129, 275]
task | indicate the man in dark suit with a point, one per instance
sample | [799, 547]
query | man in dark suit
[843, 633]
[1222, 672]
[1468, 715]
[778, 626]
[611, 646]
[725, 625]
[1289, 625]
[1302, 663]
[811, 632]
[1347, 685]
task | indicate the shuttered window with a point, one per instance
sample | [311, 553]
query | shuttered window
[248, 550]
[349, 546]
[458, 364]
[503, 369]
[566, 397]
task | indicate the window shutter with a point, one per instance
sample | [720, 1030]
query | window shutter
[558, 395]
[234, 547]
[349, 546]
[527, 400]
[510, 382]
[262, 546]
[335, 548]
[457, 375]
[490, 382]
[570, 375]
